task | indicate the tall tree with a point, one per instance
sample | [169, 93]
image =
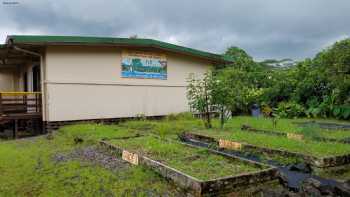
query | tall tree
[200, 97]
[241, 58]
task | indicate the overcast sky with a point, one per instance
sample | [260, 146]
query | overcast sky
[264, 28]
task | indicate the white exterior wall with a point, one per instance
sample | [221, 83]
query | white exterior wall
[85, 83]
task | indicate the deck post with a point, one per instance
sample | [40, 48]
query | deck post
[15, 129]
[36, 103]
[25, 102]
[1, 108]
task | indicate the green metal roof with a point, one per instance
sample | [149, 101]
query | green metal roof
[65, 40]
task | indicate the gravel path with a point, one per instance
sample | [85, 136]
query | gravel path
[94, 155]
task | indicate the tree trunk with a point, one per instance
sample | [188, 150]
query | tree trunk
[207, 113]
[222, 117]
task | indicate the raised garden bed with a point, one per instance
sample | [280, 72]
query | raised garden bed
[294, 135]
[197, 170]
[276, 146]
[325, 125]
[288, 126]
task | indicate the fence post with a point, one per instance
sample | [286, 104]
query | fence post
[15, 128]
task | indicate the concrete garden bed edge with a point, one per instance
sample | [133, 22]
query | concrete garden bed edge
[323, 162]
[198, 187]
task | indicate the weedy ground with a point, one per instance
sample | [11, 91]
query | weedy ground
[308, 147]
[289, 126]
[46, 166]
[196, 162]
[31, 168]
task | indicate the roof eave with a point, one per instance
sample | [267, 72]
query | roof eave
[215, 58]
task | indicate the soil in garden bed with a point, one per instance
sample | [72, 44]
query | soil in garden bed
[196, 162]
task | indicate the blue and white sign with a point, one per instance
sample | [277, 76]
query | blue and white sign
[147, 65]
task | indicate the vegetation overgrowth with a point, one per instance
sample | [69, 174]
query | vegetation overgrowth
[317, 87]
[173, 125]
[196, 162]
[308, 147]
[285, 125]
[232, 130]
[30, 167]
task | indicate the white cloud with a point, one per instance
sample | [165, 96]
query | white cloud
[4, 32]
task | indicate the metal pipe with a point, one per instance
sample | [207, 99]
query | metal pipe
[27, 51]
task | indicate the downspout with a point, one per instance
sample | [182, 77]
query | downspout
[43, 77]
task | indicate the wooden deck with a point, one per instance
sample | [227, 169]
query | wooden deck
[20, 109]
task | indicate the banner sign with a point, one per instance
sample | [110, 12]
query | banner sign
[147, 65]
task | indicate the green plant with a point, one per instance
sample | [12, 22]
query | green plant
[41, 167]
[290, 110]
[307, 146]
[141, 116]
[266, 110]
[341, 112]
[221, 97]
[197, 162]
[275, 120]
[310, 131]
[163, 130]
[180, 116]
[323, 109]
[200, 97]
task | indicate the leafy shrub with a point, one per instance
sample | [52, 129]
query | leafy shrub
[163, 129]
[141, 116]
[341, 112]
[266, 110]
[322, 109]
[309, 131]
[180, 116]
[290, 110]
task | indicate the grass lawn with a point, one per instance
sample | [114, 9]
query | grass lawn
[195, 162]
[175, 125]
[28, 168]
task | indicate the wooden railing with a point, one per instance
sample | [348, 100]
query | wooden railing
[20, 102]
